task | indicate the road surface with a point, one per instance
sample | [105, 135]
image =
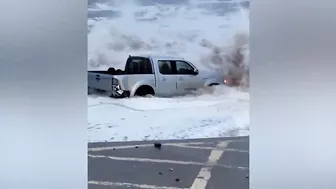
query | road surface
[179, 164]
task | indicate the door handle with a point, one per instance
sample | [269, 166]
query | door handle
[181, 79]
[163, 79]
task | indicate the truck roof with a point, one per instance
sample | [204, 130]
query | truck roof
[160, 57]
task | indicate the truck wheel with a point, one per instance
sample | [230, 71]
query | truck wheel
[144, 91]
[212, 87]
[213, 84]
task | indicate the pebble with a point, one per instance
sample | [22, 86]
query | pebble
[157, 145]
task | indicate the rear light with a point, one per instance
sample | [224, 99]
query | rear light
[115, 84]
[115, 81]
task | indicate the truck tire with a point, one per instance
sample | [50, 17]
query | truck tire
[212, 87]
[213, 84]
[144, 91]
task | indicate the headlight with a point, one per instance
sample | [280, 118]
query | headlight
[228, 82]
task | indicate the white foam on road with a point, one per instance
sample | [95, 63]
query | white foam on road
[225, 113]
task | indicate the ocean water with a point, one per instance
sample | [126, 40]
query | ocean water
[205, 32]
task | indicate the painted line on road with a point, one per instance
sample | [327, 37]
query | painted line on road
[208, 148]
[165, 161]
[204, 175]
[142, 186]
[180, 145]
[95, 149]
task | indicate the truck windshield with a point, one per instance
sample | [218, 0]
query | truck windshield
[138, 65]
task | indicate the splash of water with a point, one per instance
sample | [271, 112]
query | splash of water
[210, 39]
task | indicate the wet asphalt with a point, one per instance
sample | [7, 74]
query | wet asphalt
[175, 165]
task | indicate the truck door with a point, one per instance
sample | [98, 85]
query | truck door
[187, 79]
[166, 79]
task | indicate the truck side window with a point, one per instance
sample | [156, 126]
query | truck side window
[138, 65]
[165, 67]
[184, 68]
[148, 66]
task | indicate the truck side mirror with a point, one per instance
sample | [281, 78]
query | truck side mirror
[195, 71]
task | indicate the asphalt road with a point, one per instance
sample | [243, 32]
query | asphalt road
[198, 164]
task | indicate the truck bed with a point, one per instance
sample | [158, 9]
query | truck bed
[101, 72]
[110, 71]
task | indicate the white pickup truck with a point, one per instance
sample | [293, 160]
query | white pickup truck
[151, 75]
